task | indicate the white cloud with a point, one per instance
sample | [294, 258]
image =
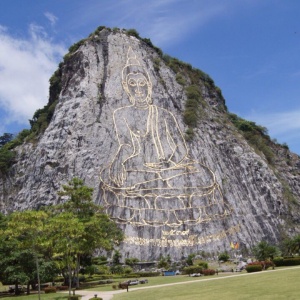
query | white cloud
[52, 18]
[25, 69]
[166, 22]
[170, 20]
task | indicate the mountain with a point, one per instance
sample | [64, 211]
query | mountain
[167, 161]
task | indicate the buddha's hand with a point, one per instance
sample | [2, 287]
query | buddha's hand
[118, 174]
[190, 166]
[162, 165]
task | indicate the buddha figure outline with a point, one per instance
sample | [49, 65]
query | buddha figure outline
[152, 180]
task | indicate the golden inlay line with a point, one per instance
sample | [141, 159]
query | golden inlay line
[192, 240]
[151, 180]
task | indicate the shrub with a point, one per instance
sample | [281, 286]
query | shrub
[224, 256]
[127, 270]
[131, 261]
[190, 117]
[148, 274]
[96, 298]
[94, 278]
[6, 158]
[104, 276]
[189, 134]
[207, 272]
[264, 264]
[192, 92]
[192, 269]
[132, 275]
[201, 263]
[50, 289]
[288, 261]
[76, 46]
[253, 268]
[133, 32]
[62, 288]
[180, 79]
[74, 297]
[255, 134]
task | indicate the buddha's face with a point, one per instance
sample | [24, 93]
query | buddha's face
[139, 89]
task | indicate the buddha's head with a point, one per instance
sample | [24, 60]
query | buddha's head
[136, 82]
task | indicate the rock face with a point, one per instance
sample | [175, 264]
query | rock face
[119, 126]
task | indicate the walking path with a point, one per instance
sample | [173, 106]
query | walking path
[109, 295]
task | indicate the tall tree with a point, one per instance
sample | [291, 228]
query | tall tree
[28, 228]
[296, 244]
[99, 232]
[77, 198]
[66, 232]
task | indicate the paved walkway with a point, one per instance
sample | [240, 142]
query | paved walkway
[109, 295]
[104, 295]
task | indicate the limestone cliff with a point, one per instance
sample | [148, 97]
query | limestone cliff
[153, 137]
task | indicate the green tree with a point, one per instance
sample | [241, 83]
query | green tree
[131, 261]
[66, 232]
[10, 270]
[163, 263]
[117, 258]
[78, 199]
[98, 231]
[287, 247]
[7, 158]
[190, 259]
[296, 242]
[28, 228]
[20, 249]
[264, 251]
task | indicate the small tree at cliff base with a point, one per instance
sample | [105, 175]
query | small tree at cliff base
[264, 251]
[97, 230]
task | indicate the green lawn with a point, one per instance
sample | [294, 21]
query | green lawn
[266, 285]
[282, 283]
[151, 281]
[55, 296]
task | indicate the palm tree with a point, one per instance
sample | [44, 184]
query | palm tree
[296, 244]
[264, 251]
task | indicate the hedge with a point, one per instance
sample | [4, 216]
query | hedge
[253, 268]
[264, 264]
[206, 272]
[62, 288]
[50, 289]
[148, 274]
[192, 269]
[286, 261]
[132, 275]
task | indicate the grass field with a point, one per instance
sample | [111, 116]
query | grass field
[266, 285]
[282, 283]
[56, 296]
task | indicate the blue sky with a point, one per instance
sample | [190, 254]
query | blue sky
[251, 49]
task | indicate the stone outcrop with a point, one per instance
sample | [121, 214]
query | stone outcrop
[169, 193]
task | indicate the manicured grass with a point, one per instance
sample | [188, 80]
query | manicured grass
[266, 285]
[51, 296]
[151, 281]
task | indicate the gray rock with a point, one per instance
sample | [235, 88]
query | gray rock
[169, 196]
